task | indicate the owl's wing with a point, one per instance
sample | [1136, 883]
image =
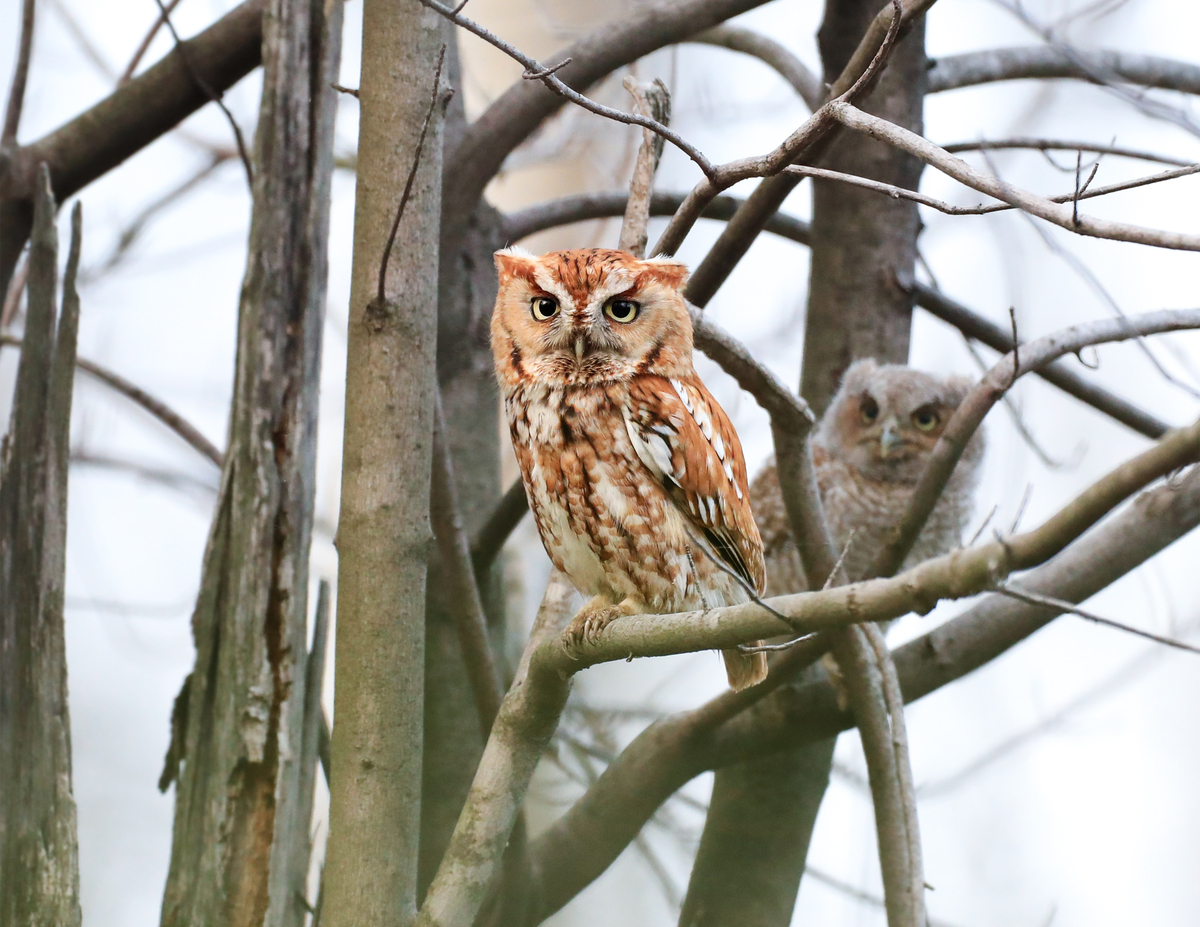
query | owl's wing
[688, 444]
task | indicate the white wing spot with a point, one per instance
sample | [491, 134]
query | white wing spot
[729, 473]
[719, 447]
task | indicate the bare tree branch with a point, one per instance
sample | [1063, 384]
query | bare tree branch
[1045, 62]
[505, 517]
[654, 100]
[1047, 144]
[522, 108]
[941, 206]
[546, 75]
[16, 90]
[1039, 206]
[1067, 608]
[140, 51]
[602, 205]
[812, 131]
[126, 121]
[523, 728]
[669, 753]
[156, 407]
[988, 392]
[874, 702]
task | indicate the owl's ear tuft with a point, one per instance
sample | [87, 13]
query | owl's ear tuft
[515, 262]
[664, 270]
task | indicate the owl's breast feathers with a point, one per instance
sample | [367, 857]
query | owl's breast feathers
[637, 488]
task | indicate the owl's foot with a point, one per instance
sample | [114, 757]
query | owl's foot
[584, 629]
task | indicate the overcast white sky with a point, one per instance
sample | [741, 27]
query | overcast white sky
[1090, 822]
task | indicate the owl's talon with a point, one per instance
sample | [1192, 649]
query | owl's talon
[586, 627]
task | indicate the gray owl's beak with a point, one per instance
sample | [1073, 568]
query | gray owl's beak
[579, 347]
[889, 440]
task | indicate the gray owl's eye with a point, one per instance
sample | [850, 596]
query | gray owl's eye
[544, 308]
[870, 409]
[622, 310]
[926, 419]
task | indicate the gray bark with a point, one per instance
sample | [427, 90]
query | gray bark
[238, 727]
[862, 244]
[384, 532]
[39, 858]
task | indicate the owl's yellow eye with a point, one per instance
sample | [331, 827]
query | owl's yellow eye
[870, 409]
[622, 310]
[926, 419]
[544, 308]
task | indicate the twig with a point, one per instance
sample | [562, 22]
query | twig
[172, 479]
[1046, 144]
[380, 296]
[903, 882]
[904, 778]
[793, 147]
[459, 579]
[155, 407]
[941, 206]
[536, 71]
[1036, 205]
[137, 225]
[1060, 605]
[16, 91]
[140, 52]
[207, 88]
[654, 100]
[82, 39]
[987, 392]
[579, 207]
[979, 328]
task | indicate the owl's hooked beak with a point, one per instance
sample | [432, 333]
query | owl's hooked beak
[579, 345]
[889, 441]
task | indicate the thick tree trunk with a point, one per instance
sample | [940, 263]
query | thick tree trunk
[39, 858]
[238, 727]
[384, 533]
[862, 243]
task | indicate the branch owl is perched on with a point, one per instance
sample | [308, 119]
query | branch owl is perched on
[634, 474]
[870, 449]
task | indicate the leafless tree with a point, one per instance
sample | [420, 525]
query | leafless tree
[436, 735]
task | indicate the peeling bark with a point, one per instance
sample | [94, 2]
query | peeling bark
[39, 857]
[238, 799]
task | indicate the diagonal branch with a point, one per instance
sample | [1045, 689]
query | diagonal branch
[731, 728]
[1057, 213]
[987, 393]
[546, 75]
[156, 407]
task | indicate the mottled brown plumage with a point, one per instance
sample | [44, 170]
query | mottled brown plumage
[634, 473]
[869, 451]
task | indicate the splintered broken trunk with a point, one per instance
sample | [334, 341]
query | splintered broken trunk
[239, 756]
[39, 860]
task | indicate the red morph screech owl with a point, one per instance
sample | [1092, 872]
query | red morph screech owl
[634, 474]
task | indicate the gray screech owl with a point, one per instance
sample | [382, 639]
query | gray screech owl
[869, 450]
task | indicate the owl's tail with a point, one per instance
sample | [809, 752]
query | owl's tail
[744, 669]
